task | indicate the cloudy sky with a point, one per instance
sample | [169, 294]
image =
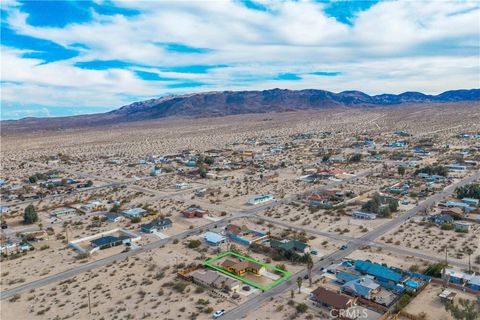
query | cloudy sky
[74, 57]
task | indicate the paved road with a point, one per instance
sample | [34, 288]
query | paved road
[102, 262]
[105, 261]
[337, 256]
[257, 301]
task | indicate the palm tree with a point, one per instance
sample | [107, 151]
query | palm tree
[299, 283]
[309, 262]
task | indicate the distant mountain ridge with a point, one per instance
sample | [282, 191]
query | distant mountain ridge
[223, 103]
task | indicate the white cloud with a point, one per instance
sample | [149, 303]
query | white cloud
[429, 46]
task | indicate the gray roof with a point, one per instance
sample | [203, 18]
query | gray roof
[213, 278]
[112, 215]
[361, 286]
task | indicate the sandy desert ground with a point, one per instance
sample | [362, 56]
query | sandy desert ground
[145, 286]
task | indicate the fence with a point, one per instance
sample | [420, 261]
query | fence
[456, 286]
[184, 273]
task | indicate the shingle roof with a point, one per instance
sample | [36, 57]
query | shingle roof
[241, 265]
[332, 298]
[288, 245]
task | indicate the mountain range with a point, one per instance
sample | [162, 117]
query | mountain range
[223, 103]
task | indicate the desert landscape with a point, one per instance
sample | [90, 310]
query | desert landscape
[240, 159]
[159, 198]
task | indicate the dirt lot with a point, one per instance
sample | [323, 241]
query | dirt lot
[429, 303]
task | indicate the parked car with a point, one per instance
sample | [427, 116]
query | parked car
[218, 314]
[343, 247]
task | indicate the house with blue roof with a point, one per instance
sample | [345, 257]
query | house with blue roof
[471, 201]
[108, 241]
[361, 287]
[378, 271]
[260, 199]
[135, 212]
[441, 218]
[455, 167]
[343, 277]
[214, 239]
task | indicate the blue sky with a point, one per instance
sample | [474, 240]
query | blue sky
[75, 57]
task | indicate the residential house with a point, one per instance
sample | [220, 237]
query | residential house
[456, 213]
[462, 226]
[113, 217]
[134, 213]
[156, 225]
[244, 235]
[234, 230]
[181, 186]
[10, 246]
[193, 212]
[260, 199]
[364, 215]
[214, 239]
[241, 267]
[90, 206]
[441, 218]
[62, 212]
[362, 287]
[471, 202]
[344, 277]
[108, 241]
[332, 300]
[454, 204]
[215, 279]
[290, 246]
[378, 271]
[456, 167]
[471, 281]
[155, 171]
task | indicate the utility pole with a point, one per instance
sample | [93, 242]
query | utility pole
[469, 262]
[89, 305]
[444, 275]
[469, 252]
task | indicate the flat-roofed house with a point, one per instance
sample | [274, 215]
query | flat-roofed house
[364, 215]
[260, 199]
[134, 213]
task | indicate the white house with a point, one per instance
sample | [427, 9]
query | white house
[260, 199]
